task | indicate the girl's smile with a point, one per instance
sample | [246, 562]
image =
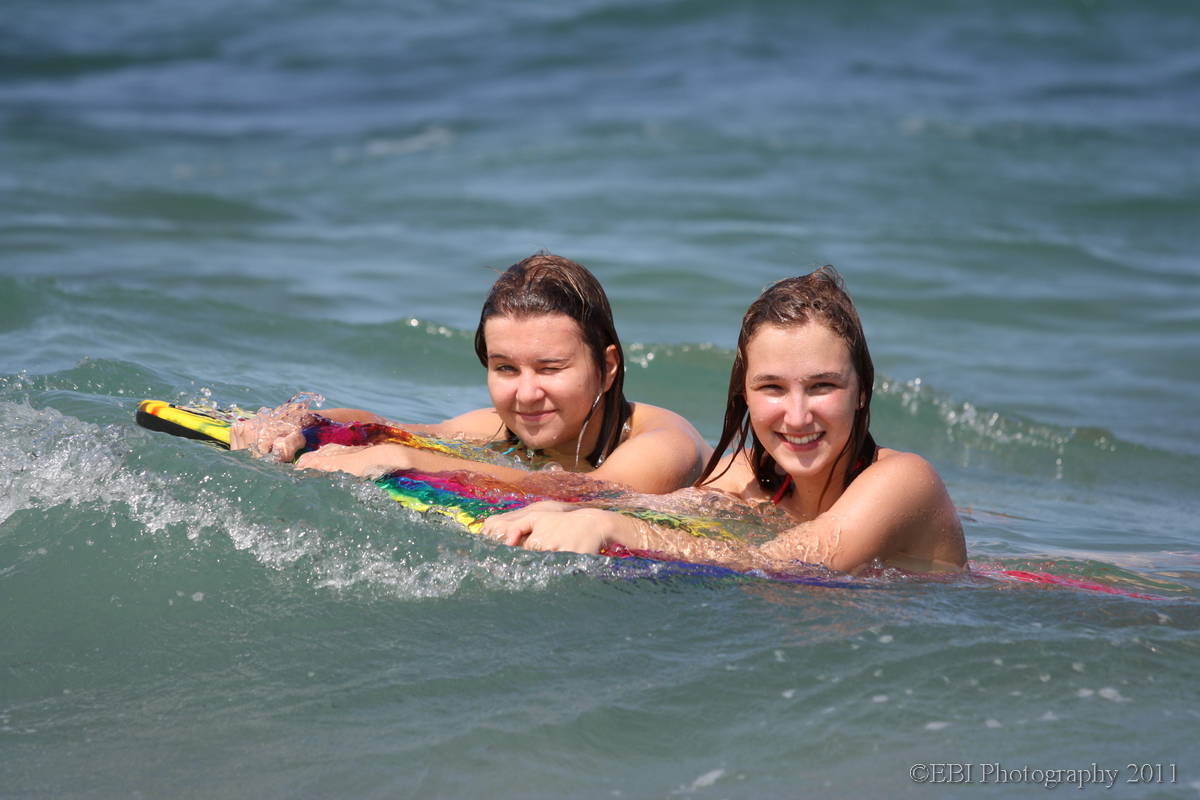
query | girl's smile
[801, 442]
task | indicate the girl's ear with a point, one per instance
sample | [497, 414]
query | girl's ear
[611, 363]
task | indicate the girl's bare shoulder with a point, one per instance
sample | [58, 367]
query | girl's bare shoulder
[482, 424]
[904, 466]
[644, 417]
[735, 477]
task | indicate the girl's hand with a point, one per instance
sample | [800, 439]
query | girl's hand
[274, 433]
[514, 526]
[366, 462]
[559, 527]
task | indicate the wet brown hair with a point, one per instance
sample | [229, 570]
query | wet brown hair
[548, 284]
[819, 297]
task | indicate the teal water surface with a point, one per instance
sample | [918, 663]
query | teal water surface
[236, 202]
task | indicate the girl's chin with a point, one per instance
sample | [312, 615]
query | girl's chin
[799, 464]
[537, 440]
[529, 429]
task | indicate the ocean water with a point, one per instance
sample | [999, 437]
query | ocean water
[236, 202]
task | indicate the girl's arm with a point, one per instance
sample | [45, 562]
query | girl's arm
[898, 511]
[277, 433]
[663, 453]
[375, 460]
[561, 527]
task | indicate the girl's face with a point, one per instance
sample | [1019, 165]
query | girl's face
[802, 392]
[543, 380]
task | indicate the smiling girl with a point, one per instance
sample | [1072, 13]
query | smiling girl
[555, 374]
[800, 398]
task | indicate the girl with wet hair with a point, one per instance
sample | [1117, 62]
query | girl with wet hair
[555, 374]
[799, 408]
[794, 302]
[545, 285]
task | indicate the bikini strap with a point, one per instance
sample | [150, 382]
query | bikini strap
[787, 481]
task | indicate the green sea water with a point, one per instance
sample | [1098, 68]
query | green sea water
[233, 203]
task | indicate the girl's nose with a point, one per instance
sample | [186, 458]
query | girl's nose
[529, 389]
[798, 414]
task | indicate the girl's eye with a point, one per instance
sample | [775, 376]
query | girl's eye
[506, 368]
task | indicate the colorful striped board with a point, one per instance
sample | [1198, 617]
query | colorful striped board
[469, 498]
[212, 425]
[203, 424]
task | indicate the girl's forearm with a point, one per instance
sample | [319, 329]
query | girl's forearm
[641, 537]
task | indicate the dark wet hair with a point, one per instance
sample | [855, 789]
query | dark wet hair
[548, 284]
[819, 297]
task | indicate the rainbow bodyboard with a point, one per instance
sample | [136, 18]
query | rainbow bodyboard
[469, 498]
